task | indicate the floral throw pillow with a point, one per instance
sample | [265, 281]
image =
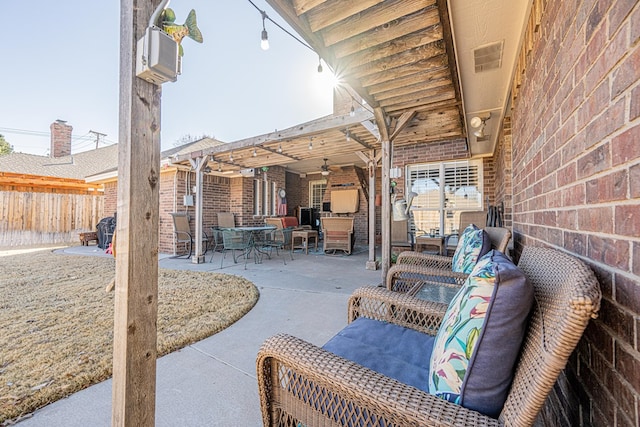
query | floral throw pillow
[473, 244]
[479, 339]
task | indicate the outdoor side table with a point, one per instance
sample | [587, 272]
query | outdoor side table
[304, 236]
[434, 291]
[430, 241]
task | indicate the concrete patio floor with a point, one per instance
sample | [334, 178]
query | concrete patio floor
[213, 382]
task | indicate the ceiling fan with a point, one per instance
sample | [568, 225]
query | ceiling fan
[324, 169]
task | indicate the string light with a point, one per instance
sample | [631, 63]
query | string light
[231, 156]
[280, 148]
[310, 143]
[348, 135]
[255, 153]
[219, 166]
[353, 110]
[264, 38]
[264, 43]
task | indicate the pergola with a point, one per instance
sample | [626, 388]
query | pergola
[399, 67]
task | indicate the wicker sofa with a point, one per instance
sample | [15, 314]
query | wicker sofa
[301, 384]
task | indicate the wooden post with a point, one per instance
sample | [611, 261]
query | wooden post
[372, 165]
[199, 164]
[136, 302]
[383, 127]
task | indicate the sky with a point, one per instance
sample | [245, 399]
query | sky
[62, 62]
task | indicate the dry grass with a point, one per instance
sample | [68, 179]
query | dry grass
[57, 322]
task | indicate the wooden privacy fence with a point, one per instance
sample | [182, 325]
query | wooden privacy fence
[41, 218]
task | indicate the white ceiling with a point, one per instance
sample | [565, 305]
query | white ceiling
[477, 23]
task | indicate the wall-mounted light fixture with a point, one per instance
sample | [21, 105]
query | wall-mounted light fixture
[479, 123]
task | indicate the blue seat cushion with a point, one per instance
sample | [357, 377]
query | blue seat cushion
[392, 350]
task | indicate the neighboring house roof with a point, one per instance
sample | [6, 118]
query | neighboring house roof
[83, 164]
[166, 156]
[76, 166]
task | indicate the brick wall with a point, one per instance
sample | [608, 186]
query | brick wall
[297, 192]
[173, 187]
[576, 174]
[503, 183]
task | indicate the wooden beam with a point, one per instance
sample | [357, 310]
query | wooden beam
[403, 121]
[333, 11]
[371, 18]
[303, 130]
[447, 36]
[356, 139]
[410, 41]
[303, 6]
[400, 27]
[136, 296]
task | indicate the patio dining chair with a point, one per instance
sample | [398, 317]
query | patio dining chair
[183, 234]
[235, 240]
[279, 239]
[302, 384]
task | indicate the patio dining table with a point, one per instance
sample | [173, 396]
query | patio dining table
[252, 238]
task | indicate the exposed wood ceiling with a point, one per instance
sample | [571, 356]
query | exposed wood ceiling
[397, 55]
[409, 66]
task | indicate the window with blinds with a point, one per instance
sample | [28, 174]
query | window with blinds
[316, 193]
[443, 191]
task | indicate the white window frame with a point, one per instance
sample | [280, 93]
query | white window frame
[317, 203]
[442, 209]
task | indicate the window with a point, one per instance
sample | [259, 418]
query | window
[443, 191]
[316, 193]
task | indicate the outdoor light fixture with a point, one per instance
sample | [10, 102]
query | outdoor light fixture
[324, 169]
[280, 148]
[264, 43]
[480, 124]
[353, 110]
[219, 166]
[310, 144]
[255, 153]
[319, 65]
[231, 156]
[348, 135]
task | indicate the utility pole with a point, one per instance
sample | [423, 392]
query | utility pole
[98, 135]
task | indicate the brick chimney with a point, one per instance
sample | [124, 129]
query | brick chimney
[60, 139]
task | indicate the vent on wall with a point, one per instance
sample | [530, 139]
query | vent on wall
[488, 57]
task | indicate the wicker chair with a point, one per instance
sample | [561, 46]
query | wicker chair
[337, 233]
[410, 266]
[301, 384]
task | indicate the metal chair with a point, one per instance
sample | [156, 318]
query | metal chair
[279, 239]
[235, 240]
[182, 232]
